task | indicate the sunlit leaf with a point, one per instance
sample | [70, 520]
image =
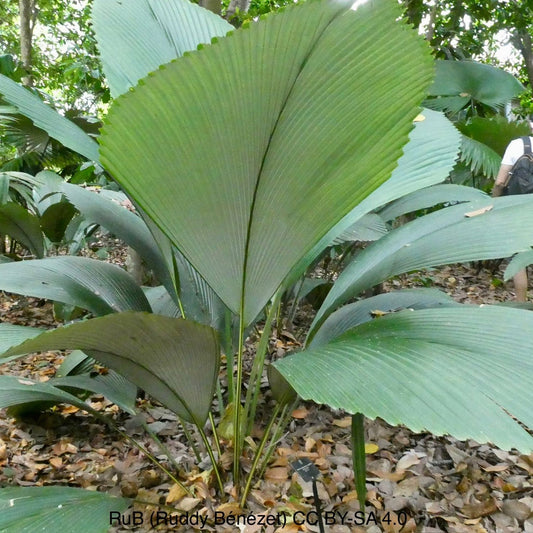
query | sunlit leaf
[134, 38]
[313, 158]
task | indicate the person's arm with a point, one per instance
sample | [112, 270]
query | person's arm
[501, 180]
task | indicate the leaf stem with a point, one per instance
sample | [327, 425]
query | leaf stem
[215, 434]
[359, 457]
[277, 434]
[230, 359]
[139, 446]
[190, 440]
[237, 434]
[257, 456]
[212, 457]
[254, 386]
[162, 446]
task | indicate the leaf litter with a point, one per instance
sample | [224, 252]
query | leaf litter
[439, 484]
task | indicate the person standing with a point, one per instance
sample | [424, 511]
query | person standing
[514, 151]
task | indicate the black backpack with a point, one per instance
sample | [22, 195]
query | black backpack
[521, 175]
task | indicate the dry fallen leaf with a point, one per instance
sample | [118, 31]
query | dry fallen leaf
[500, 467]
[278, 474]
[300, 413]
[516, 509]
[474, 510]
[371, 448]
[175, 494]
[188, 504]
[478, 212]
[230, 508]
[56, 462]
[407, 461]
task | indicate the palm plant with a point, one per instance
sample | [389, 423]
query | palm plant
[242, 197]
[474, 96]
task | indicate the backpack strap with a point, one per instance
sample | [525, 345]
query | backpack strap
[527, 145]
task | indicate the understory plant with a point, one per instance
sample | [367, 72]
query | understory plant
[245, 160]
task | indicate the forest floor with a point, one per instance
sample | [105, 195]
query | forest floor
[430, 484]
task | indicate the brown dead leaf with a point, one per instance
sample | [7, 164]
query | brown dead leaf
[410, 526]
[407, 461]
[477, 509]
[56, 462]
[500, 467]
[63, 446]
[277, 474]
[148, 496]
[516, 509]
[309, 444]
[434, 508]
[372, 497]
[526, 462]
[188, 504]
[351, 496]
[150, 478]
[175, 494]
[509, 487]
[407, 487]
[457, 455]
[69, 409]
[345, 422]
[300, 413]
[230, 508]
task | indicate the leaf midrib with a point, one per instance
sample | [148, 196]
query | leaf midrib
[266, 153]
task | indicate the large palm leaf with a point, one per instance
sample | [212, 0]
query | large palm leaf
[457, 83]
[135, 37]
[483, 229]
[247, 188]
[460, 370]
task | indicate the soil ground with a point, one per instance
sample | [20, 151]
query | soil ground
[431, 484]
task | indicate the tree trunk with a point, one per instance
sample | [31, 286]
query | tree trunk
[430, 32]
[26, 12]
[234, 5]
[521, 39]
[212, 5]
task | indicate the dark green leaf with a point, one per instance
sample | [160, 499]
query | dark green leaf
[174, 360]
[22, 226]
[94, 285]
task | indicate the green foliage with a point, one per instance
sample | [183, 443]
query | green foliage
[94, 285]
[485, 229]
[469, 82]
[418, 367]
[184, 356]
[64, 56]
[240, 199]
[23, 507]
[480, 30]
[471, 93]
[275, 95]
[46, 118]
[135, 39]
